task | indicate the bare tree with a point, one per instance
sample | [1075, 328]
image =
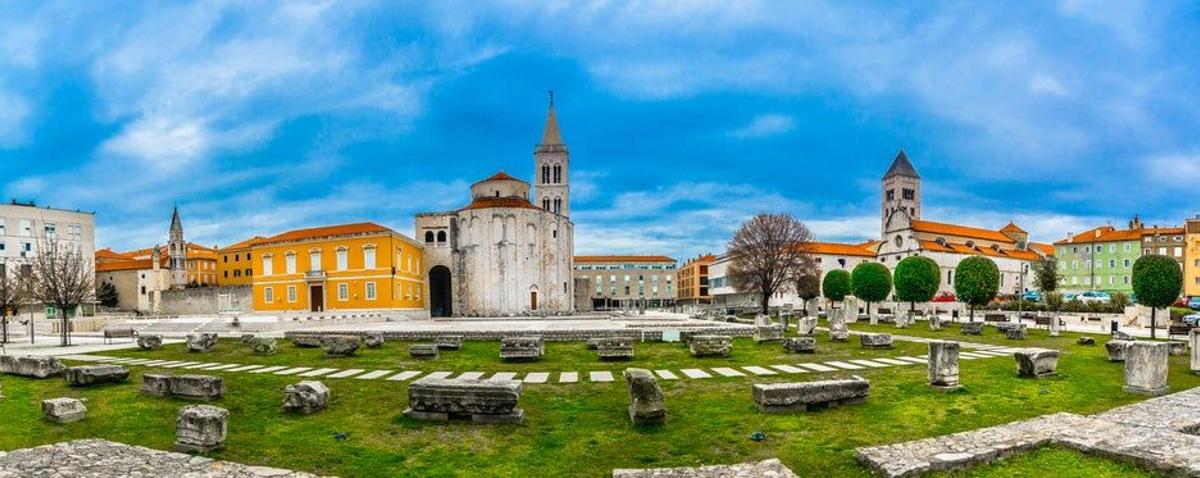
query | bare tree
[767, 254]
[62, 278]
[12, 297]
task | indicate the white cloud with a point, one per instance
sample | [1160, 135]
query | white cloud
[764, 126]
[1175, 171]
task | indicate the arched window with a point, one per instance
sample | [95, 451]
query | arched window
[546, 203]
[899, 241]
[558, 205]
[557, 174]
[428, 236]
[545, 173]
[441, 236]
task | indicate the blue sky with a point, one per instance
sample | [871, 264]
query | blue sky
[683, 117]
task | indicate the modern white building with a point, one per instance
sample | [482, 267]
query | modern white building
[25, 228]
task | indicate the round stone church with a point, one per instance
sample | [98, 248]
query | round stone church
[503, 254]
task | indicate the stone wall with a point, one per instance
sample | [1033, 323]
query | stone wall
[207, 300]
[552, 335]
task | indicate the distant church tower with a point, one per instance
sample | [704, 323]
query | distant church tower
[551, 165]
[901, 191]
[177, 253]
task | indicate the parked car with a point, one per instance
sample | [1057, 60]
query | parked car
[1033, 296]
[1191, 320]
[1194, 304]
[1094, 296]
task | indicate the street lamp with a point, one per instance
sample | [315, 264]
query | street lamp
[1021, 291]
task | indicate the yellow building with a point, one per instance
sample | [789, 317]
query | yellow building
[234, 262]
[1191, 258]
[692, 281]
[345, 267]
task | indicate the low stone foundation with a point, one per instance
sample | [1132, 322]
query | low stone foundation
[765, 469]
[106, 459]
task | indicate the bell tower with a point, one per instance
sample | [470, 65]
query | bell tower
[177, 252]
[551, 165]
[901, 191]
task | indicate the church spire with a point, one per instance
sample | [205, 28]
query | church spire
[176, 225]
[550, 135]
[902, 167]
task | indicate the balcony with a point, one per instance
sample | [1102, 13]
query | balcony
[314, 276]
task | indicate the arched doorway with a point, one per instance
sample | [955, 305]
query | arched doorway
[533, 298]
[440, 303]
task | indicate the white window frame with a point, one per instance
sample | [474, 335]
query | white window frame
[291, 293]
[369, 257]
[268, 264]
[289, 260]
[343, 258]
[343, 290]
[369, 289]
[314, 260]
[268, 294]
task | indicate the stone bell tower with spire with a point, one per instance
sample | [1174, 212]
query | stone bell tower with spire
[177, 253]
[901, 191]
[551, 162]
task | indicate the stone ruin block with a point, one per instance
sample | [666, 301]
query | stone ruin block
[373, 340]
[84, 375]
[201, 428]
[768, 333]
[31, 366]
[440, 399]
[943, 365]
[1086, 341]
[340, 345]
[593, 342]
[799, 345]
[149, 342]
[1116, 349]
[711, 345]
[196, 387]
[449, 342]
[1175, 348]
[263, 346]
[802, 396]
[63, 410]
[1036, 363]
[309, 396]
[1194, 344]
[971, 328]
[247, 339]
[806, 325]
[203, 342]
[521, 348]
[423, 351]
[1015, 332]
[306, 341]
[935, 322]
[615, 348]
[646, 403]
[1146, 368]
[875, 341]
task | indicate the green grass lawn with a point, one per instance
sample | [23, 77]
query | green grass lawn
[583, 429]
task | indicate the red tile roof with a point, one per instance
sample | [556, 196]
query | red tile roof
[953, 248]
[959, 231]
[1046, 249]
[1011, 227]
[500, 176]
[491, 202]
[615, 259]
[839, 249]
[356, 229]
[244, 244]
[1102, 234]
[1150, 231]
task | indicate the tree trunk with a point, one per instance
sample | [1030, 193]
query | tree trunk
[1153, 310]
[972, 308]
[66, 335]
[766, 301]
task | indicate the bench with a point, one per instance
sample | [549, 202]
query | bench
[1178, 328]
[995, 318]
[1043, 320]
[119, 333]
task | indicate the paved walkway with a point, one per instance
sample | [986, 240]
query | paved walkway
[1155, 434]
[976, 351]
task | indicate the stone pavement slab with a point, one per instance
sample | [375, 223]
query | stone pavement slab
[373, 375]
[695, 373]
[892, 361]
[318, 372]
[788, 369]
[728, 372]
[246, 368]
[536, 377]
[568, 377]
[405, 375]
[179, 364]
[502, 376]
[273, 368]
[346, 373]
[600, 376]
[816, 367]
[224, 366]
[470, 375]
[666, 375]
[869, 363]
[844, 365]
[439, 374]
[199, 365]
[754, 369]
[293, 370]
[914, 359]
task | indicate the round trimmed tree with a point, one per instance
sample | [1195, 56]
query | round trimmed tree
[916, 279]
[976, 282]
[836, 285]
[1157, 281]
[871, 281]
[808, 286]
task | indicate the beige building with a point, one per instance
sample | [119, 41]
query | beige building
[1191, 264]
[139, 282]
[612, 282]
